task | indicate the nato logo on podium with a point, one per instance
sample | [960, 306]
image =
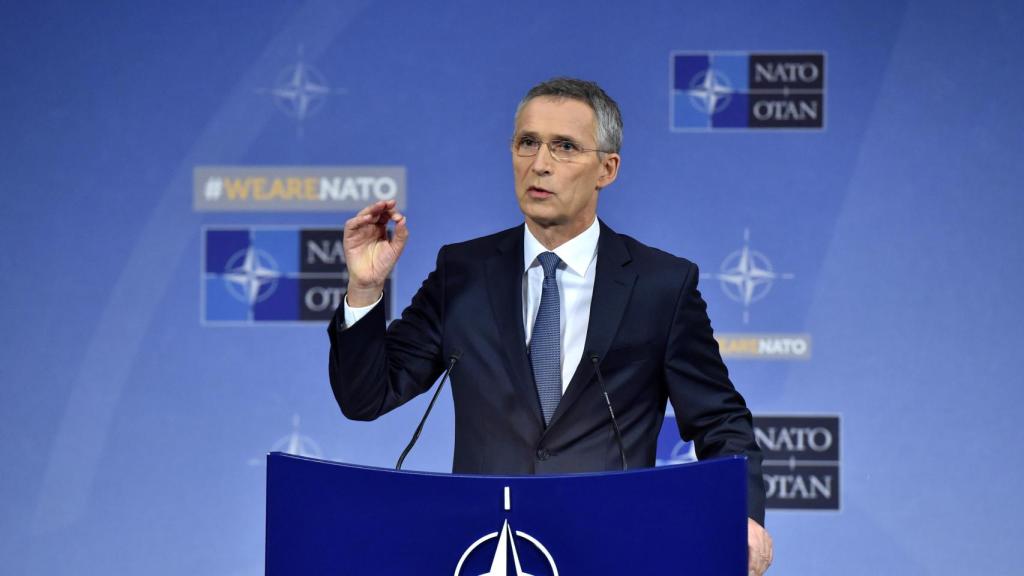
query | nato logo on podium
[507, 549]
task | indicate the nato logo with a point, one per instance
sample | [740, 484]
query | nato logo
[747, 276]
[508, 558]
[260, 275]
[300, 90]
[713, 91]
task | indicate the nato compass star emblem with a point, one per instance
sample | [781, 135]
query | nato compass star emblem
[506, 547]
[747, 276]
[300, 90]
[710, 91]
[295, 443]
[251, 275]
[683, 452]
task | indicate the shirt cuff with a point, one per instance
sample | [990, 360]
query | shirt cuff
[353, 314]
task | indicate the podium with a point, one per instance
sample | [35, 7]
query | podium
[331, 518]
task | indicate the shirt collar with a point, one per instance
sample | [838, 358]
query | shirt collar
[577, 253]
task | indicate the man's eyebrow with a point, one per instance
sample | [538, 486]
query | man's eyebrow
[556, 137]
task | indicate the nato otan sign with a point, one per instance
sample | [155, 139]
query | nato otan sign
[801, 460]
[716, 91]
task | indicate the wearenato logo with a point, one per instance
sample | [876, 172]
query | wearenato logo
[765, 346]
[269, 274]
[801, 461]
[295, 188]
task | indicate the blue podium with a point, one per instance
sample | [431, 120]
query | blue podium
[331, 518]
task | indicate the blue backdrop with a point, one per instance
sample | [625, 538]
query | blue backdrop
[133, 434]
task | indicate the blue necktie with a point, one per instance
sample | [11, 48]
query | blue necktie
[546, 340]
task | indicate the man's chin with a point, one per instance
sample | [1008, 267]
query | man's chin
[544, 221]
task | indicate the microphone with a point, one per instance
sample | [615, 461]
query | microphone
[456, 354]
[596, 361]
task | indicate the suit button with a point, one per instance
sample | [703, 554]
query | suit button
[543, 454]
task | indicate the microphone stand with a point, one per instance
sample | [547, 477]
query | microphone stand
[416, 435]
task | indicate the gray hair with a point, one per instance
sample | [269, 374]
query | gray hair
[609, 119]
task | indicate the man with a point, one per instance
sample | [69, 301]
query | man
[533, 313]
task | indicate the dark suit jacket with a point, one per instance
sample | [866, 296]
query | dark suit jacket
[648, 324]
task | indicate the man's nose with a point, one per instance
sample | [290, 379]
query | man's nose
[543, 161]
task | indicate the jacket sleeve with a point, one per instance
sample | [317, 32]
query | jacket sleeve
[375, 368]
[709, 409]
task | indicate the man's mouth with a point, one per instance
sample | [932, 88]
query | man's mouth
[538, 192]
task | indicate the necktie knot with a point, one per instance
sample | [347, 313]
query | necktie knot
[549, 261]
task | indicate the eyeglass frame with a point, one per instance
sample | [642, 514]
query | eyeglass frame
[550, 144]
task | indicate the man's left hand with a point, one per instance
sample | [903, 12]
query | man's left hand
[759, 548]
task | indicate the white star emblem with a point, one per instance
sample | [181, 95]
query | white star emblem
[294, 443]
[747, 276]
[300, 90]
[710, 91]
[507, 543]
[248, 272]
[499, 566]
[303, 93]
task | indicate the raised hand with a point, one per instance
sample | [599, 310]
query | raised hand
[369, 253]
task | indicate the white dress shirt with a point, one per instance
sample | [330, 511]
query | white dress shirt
[575, 278]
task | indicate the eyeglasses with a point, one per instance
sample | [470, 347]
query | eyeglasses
[561, 150]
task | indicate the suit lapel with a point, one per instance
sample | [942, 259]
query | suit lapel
[613, 284]
[505, 287]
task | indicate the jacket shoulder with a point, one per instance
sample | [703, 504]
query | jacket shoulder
[484, 245]
[649, 257]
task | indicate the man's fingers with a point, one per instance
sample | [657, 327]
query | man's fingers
[374, 208]
[759, 548]
[386, 213]
[758, 564]
[375, 214]
[401, 232]
[364, 216]
[374, 211]
[369, 226]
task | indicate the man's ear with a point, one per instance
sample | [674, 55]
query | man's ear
[609, 169]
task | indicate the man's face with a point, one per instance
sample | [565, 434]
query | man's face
[553, 193]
